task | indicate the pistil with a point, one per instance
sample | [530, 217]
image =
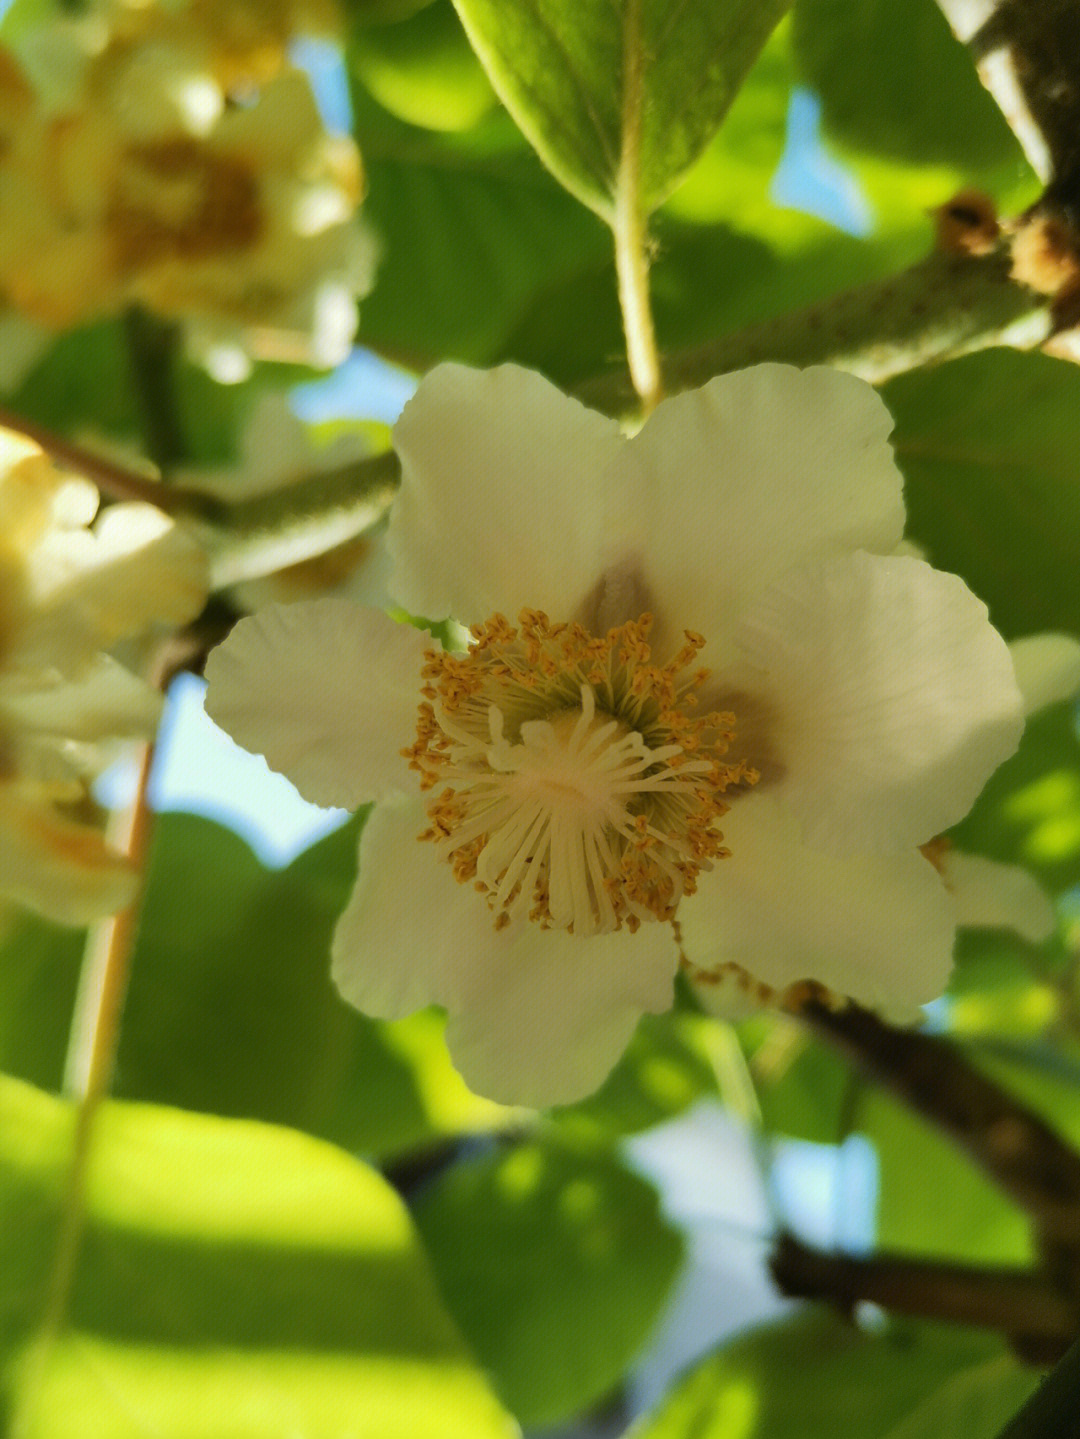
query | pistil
[575, 785]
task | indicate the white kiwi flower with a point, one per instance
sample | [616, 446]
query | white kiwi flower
[72, 584]
[707, 715]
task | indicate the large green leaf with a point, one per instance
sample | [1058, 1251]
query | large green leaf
[571, 73]
[235, 1281]
[974, 1403]
[978, 1225]
[554, 1263]
[813, 1377]
[988, 446]
[471, 231]
[423, 70]
[1029, 812]
[39, 976]
[231, 1009]
[894, 80]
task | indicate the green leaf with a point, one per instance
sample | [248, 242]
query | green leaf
[39, 976]
[235, 1281]
[562, 72]
[555, 1264]
[231, 1009]
[1029, 812]
[813, 1377]
[669, 1065]
[472, 232]
[894, 81]
[978, 1225]
[975, 1403]
[804, 1089]
[423, 70]
[986, 444]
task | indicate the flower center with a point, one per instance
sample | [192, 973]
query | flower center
[574, 786]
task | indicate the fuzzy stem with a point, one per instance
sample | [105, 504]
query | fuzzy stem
[629, 224]
[944, 306]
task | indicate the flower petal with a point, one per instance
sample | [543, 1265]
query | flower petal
[106, 702]
[893, 699]
[989, 895]
[502, 502]
[134, 569]
[1047, 669]
[327, 691]
[56, 867]
[537, 1017]
[878, 929]
[755, 472]
[548, 1014]
[409, 927]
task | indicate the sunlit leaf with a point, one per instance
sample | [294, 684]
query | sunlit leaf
[423, 70]
[975, 1403]
[567, 75]
[555, 1264]
[813, 1377]
[235, 1281]
[978, 1225]
[231, 1009]
[894, 80]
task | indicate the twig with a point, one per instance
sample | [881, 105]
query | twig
[152, 349]
[1014, 1146]
[95, 1029]
[1025, 51]
[1051, 1412]
[118, 482]
[1027, 1307]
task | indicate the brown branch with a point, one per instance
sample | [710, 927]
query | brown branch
[944, 306]
[1011, 1143]
[1026, 54]
[113, 479]
[1038, 1319]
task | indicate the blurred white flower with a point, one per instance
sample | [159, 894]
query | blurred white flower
[581, 803]
[67, 593]
[126, 177]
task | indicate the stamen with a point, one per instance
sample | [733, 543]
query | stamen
[575, 788]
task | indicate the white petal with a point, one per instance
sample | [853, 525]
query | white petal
[755, 472]
[107, 701]
[502, 502]
[537, 1017]
[1047, 669]
[893, 698]
[327, 691]
[409, 928]
[878, 929]
[136, 568]
[56, 867]
[548, 1013]
[989, 895]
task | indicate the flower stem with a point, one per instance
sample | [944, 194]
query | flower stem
[88, 1074]
[629, 224]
